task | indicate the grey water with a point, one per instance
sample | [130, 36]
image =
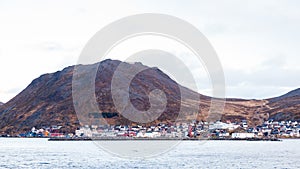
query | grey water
[41, 153]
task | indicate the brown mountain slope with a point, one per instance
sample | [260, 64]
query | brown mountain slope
[48, 100]
[285, 107]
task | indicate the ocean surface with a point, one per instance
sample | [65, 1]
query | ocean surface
[40, 153]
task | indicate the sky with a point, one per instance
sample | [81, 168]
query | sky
[256, 41]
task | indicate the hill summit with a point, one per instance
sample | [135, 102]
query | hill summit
[48, 100]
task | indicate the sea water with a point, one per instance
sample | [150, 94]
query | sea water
[41, 153]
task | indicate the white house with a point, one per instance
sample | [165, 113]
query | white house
[242, 135]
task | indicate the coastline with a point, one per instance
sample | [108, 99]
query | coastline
[160, 139]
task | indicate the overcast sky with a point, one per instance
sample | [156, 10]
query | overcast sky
[257, 41]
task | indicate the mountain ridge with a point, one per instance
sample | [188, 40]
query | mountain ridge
[293, 93]
[47, 100]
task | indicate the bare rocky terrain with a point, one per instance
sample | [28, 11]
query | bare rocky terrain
[48, 100]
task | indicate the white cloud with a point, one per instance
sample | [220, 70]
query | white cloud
[257, 41]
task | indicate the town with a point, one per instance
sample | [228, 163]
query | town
[195, 130]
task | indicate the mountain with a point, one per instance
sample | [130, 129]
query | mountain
[292, 94]
[48, 100]
[1, 103]
[285, 107]
[45, 102]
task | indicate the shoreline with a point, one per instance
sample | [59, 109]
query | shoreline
[160, 139]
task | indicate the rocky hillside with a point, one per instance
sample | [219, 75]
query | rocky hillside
[285, 107]
[290, 95]
[48, 100]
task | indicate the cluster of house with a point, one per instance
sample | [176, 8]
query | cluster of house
[282, 129]
[269, 129]
[53, 131]
[217, 129]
